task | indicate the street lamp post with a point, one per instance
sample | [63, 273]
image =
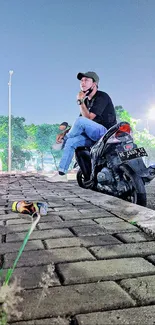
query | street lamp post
[9, 118]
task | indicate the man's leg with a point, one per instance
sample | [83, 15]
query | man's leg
[83, 125]
[84, 132]
[68, 152]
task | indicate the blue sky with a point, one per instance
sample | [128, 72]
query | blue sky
[47, 42]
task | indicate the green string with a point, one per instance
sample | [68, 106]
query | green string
[11, 270]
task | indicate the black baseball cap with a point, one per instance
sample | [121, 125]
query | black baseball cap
[90, 74]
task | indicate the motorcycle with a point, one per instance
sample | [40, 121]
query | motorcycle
[114, 166]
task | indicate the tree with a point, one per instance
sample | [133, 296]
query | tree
[19, 136]
[45, 138]
[141, 138]
[30, 143]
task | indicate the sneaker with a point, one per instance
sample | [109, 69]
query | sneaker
[57, 178]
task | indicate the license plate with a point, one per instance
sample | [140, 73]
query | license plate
[132, 154]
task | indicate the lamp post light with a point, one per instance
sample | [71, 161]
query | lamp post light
[9, 118]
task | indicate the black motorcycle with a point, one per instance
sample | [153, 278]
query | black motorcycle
[114, 166]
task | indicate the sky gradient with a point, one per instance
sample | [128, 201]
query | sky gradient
[47, 42]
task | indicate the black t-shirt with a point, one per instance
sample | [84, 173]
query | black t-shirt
[101, 105]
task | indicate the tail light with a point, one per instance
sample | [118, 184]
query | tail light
[123, 130]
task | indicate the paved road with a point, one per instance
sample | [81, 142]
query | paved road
[100, 269]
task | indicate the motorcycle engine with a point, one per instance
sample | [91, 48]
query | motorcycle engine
[105, 177]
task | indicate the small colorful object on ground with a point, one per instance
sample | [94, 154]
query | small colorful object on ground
[28, 207]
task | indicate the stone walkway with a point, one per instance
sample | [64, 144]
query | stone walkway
[104, 266]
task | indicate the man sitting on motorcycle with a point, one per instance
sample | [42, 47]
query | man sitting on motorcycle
[97, 114]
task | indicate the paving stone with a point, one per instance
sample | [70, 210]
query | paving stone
[81, 205]
[40, 234]
[2, 230]
[51, 217]
[128, 316]
[2, 203]
[75, 200]
[148, 228]
[121, 226]
[90, 271]
[107, 220]
[142, 288]
[70, 300]
[10, 216]
[70, 215]
[30, 277]
[69, 208]
[47, 321]
[133, 237]
[151, 258]
[89, 230]
[18, 221]
[123, 209]
[58, 203]
[2, 212]
[65, 224]
[17, 228]
[96, 211]
[124, 250]
[14, 247]
[27, 219]
[68, 195]
[86, 241]
[41, 257]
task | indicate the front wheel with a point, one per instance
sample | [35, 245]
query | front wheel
[80, 179]
[136, 193]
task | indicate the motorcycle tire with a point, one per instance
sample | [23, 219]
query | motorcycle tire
[138, 195]
[80, 179]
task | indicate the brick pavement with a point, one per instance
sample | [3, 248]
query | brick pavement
[104, 266]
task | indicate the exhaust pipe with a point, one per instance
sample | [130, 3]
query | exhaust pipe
[150, 175]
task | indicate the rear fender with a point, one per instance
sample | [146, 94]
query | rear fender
[138, 166]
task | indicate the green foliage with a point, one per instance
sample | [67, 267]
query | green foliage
[18, 137]
[123, 115]
[30, 143]
[3, 132]
[19, 157]
[45, 138]
[141, 138]
[25, 139]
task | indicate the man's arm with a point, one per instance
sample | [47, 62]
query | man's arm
[85, 112]
[83, 108]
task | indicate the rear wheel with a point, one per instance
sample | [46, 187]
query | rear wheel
[136, 193]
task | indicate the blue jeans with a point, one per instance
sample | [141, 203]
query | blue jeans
[84, 132]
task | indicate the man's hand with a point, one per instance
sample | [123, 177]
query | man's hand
[81, 95]
[59, 137]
